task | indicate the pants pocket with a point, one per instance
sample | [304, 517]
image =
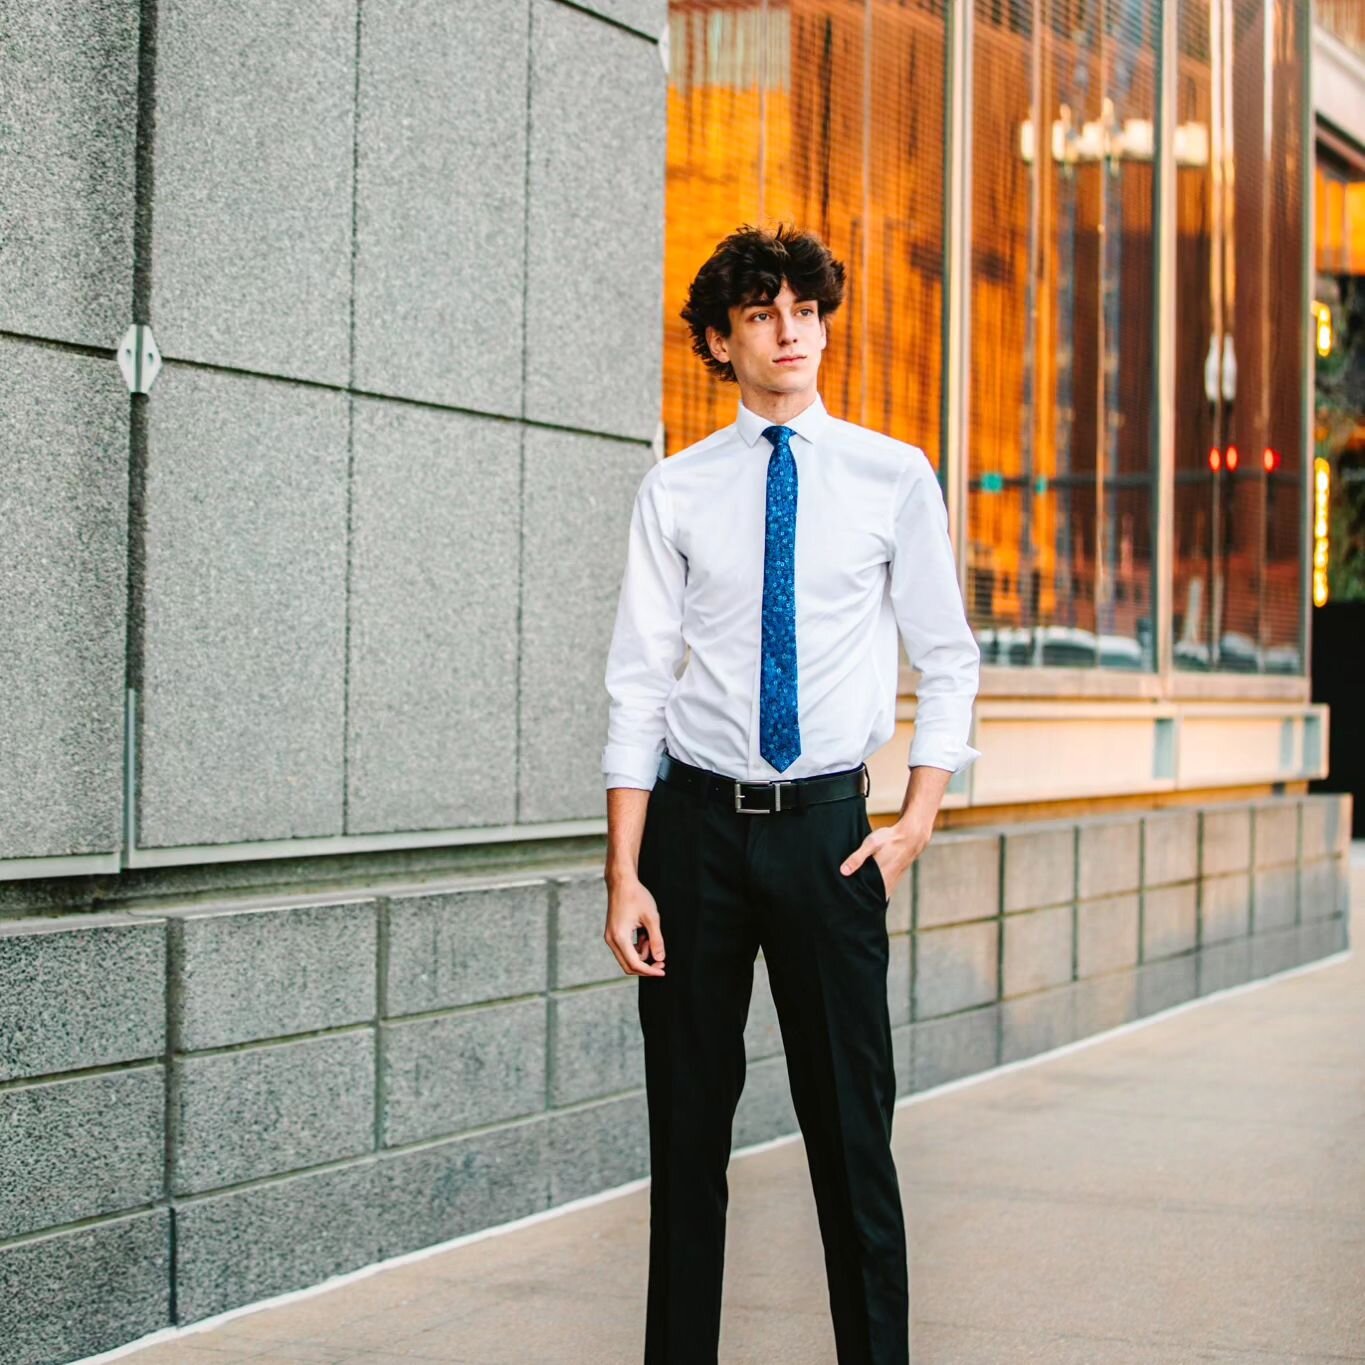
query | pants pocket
[869, 869]
[875, 878]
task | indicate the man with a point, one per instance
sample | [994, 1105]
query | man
[781, 553]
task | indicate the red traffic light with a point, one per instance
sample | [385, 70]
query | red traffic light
[1215, 458]
[1232, 457]
[1271, 460]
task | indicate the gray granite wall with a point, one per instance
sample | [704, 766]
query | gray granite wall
[207, 1102]
[354, 553]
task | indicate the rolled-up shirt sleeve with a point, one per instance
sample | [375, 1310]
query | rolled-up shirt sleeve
[647, 642]
[932, 620]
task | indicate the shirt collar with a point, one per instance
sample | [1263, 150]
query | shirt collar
[807, 423]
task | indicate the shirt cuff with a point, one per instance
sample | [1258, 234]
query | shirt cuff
[931, 750]
[626, 765]
[625, 780]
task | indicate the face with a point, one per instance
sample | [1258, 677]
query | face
[773, 346]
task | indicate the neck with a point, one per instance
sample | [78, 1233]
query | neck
[778, 406]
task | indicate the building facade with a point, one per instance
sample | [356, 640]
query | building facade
[340, 337]
[1338, 515]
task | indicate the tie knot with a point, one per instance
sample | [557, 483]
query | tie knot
[778, 435]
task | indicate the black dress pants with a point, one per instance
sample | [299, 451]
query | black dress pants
[727, 884]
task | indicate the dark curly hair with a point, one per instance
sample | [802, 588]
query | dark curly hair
[749, 266]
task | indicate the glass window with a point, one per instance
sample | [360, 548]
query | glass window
[831, 114]
[1061, 453]
[828, 114]
[1336, 514]
[1344, 19]
[1239, 337]
[713, 184]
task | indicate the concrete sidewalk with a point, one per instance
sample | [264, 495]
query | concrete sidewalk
[1189, 1190]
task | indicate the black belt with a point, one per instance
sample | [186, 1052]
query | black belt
[785, 794]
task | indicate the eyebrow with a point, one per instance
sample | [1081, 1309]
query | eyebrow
[768, 303]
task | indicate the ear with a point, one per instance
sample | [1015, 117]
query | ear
[717, 344]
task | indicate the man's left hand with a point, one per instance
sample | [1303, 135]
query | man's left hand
[894, 847]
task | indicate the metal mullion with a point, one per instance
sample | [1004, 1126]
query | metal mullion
[1163, 588]
[957, 237]
[1308, 441]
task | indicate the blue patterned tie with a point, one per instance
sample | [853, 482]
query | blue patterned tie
[779, 734]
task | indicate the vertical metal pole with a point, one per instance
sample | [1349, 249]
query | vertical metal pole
[865, 225]
[1039, 173]
[1269, 108]
[1163, 587]
[135, 624]
[1213, 608]
[1307, 161]
[129, 772]
[765, 78]
[958, 244]
[1227, 499]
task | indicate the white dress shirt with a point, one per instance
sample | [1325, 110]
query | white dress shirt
[872, 555]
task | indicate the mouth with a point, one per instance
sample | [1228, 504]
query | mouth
[789, 359]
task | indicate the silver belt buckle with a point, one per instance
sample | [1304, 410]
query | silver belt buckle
[742, 809]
